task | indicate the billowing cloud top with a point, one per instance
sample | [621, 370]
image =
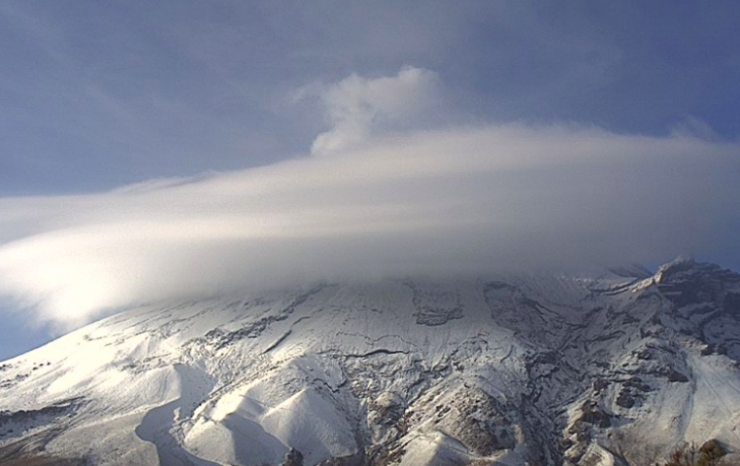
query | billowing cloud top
[357, 107]
[373, 201]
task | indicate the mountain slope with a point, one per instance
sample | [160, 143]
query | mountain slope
[508, 370]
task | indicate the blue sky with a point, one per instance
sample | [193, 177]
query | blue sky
[96, 95]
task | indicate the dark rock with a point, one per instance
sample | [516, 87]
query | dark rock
[638, 384]
[644, 354]
[594, 415]
[600, 384]
[625, 399]
[293, 458]
[713, 450]
[675, 376]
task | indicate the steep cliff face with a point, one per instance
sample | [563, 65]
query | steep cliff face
[503, 370]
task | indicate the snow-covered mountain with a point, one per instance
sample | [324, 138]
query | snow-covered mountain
[512, 370]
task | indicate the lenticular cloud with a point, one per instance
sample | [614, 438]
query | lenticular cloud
[450, 201]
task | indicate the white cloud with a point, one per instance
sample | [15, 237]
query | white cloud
[359, 107]
[454, 200]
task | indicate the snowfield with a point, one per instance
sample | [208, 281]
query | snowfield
[537, 369]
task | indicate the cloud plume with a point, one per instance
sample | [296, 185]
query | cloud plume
[449, 200]
[360, 108]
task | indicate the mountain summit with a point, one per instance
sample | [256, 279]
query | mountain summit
[514, 370]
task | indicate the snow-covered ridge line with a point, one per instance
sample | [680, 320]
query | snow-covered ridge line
[506, 370]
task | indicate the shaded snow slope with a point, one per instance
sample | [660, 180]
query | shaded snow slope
[503, 370]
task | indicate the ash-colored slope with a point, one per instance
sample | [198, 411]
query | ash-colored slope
[504, 370]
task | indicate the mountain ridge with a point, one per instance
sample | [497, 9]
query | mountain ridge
[520, 369]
